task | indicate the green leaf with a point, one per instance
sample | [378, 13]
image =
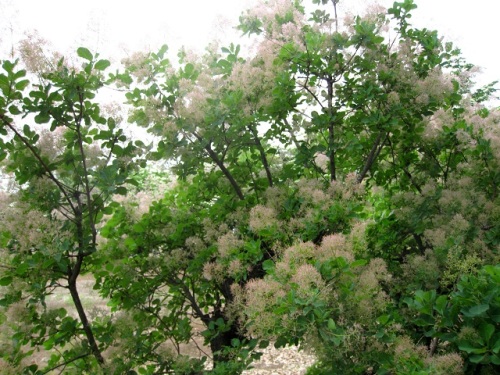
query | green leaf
[14, 110]
[280, 342]
[102, 64]
[263, 344]
[486, 331]
[121, 190]
[358, 263]
[7, 280]
[189, 70]
[84, 53]
[495, 359]
[469, 348]
[496, 346]
[27, 131]
[21, 85]
[331, 324]
[22, 269]
[440, 304]
[49, 344]
[42, 118]
[108, 210]
[383, 319]
[268, 265]
[8, 66]
[478, 358]
[476, 311]
[130, 243]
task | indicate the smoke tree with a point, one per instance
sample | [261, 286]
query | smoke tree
[68, 160]
[336, 188]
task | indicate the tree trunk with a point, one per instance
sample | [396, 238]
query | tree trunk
[331, 131]
[223, 340]
[85, 323]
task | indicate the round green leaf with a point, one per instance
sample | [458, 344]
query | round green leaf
[4, 281]
[84, 53]
[102, 64]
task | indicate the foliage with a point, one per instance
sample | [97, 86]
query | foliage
[335, 187]
[68, 160]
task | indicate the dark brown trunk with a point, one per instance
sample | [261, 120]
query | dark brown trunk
[221, 341]
[85, 323]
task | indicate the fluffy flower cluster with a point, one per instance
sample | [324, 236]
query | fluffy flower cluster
[279, 18]
[37, 55]
[296, 273]
[262, 217]
[406, 354]
[255, 78]
[138, 64]
[32, 229]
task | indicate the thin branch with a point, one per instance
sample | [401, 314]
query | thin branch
[434, 345]
[374, 152]
[305, 87]
[263, 156]
[192, 301]
[331, 131]
[199, 348]
[334, 2]
[65, 213]
[83, 318]
[215, 158]
[66, 363]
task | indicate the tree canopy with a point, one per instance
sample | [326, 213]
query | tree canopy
[335, 186]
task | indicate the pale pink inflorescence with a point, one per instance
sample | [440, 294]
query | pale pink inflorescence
[335, 245]
[255, 78]
[136, 204]
[405, 351]
[459, 202]
[213, 271]
[435, 85]
[228, 243]
[261, 297]
[269, 11]
[307, 280]
[138, 62]
[33, 229]
[262, 217]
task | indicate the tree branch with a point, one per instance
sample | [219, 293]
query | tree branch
[331, 131]
[65, 363]
[263, 156]
[372, 156]
[213, 155]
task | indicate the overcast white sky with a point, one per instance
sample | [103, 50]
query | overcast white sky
[113, 27]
